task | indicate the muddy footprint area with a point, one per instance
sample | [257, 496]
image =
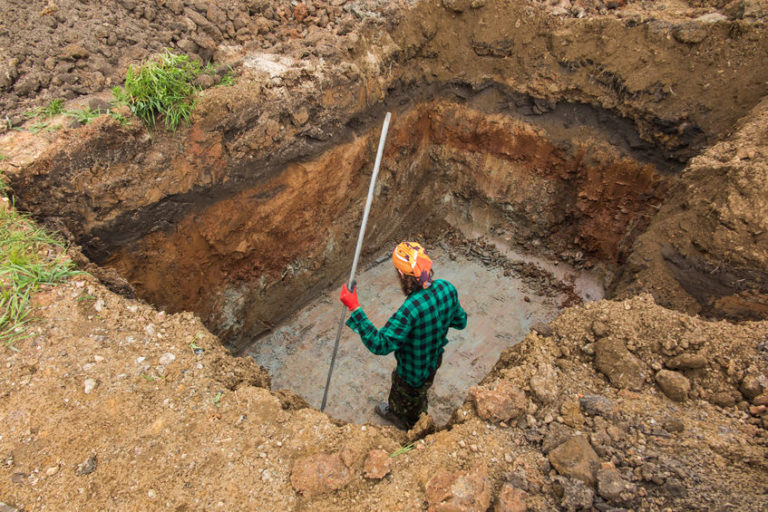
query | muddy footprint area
[590, 175]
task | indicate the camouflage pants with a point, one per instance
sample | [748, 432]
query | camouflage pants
[408, 402]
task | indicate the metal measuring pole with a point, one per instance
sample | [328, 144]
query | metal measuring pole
[357, 252]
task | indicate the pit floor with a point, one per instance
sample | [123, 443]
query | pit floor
[297, 354]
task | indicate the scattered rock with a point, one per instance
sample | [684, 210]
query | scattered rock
[319, 473]
[575, 495]
[376, 464]
[596, 405]
[457, 6]
[690, 33]
[752, 385]
[576, 458]
[725, 399]
[460, 491]
[7, 508]
[556, 435]
[611, 486]
[89, 386]
[87, 467]
[622, 368]
[675, 385]
[166, 359]
[673, 425]
[503, 402]
[544, 384]
[510, 499]
[687, 361]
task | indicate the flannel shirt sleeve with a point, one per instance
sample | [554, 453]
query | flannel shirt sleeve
[459, 320]
[389, 338]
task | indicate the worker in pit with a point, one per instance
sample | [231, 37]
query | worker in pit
[415, 333]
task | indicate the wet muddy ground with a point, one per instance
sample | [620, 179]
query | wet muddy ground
[501, 310]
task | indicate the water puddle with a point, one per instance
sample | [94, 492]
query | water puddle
[500, 313]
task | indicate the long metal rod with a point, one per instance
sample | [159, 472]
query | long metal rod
[360, 237]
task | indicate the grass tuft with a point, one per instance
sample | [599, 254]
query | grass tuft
[161, 88]
[84, 115]
[403, 449]
[29, 258]
[54, 108]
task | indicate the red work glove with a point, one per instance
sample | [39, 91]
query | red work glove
[349, 298]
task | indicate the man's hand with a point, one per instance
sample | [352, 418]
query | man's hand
[349, 298]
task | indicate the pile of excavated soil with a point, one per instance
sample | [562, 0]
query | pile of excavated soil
[69, 48]
[114, 405]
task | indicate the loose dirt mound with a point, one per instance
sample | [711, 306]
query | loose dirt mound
[706, 250]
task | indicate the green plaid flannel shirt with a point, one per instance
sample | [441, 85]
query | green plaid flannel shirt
[416, 332]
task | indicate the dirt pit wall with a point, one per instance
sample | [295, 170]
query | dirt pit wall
[245, 258]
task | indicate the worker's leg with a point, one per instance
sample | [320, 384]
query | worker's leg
[408, 402]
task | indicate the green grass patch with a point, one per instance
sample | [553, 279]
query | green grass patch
[84, 115]
[3, 157]
[54, 108]
[42, 126]
[161, 89]
[29, 258]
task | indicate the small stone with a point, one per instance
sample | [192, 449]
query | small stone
[752, 385]
[622, 368]
[460, 491]
[166, 359]
[319, 473]
[462, 443]
[52, 470]
[687, 361]
[611, 485]
[576, 458]
[673, 425]
[511, 499]
[690, 33]
[596, 405]
[89, 386]
[473, 447]
[503, 402]
[761, 399]
[377, 464]
[544, 383]
[151, 494]
[576, 494]
[724, 399]
[87, 467]
[675, 385]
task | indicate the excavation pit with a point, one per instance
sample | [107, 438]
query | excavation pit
[557, 193]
